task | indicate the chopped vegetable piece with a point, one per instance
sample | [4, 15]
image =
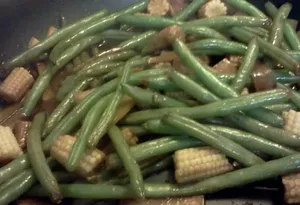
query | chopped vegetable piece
[291, 121]
[176, 6]
[33, 41]
[9, 147]
[15, 86]
[212, 8]
[195, 164]
[82, 95]
[158, 7]
[21, 132]
[291, 185]
[51, 30]
[62, 147]
[225, 67]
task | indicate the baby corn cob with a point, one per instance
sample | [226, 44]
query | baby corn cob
[158, 7]
[21, 132]
[51, 30]
[291, 120]
[16, 85]
[213, 8]
[62, 147]
[9, 147]
[291, 185]
[196, 164]
[32, 42]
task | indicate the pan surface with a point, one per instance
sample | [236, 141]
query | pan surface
[22, 19]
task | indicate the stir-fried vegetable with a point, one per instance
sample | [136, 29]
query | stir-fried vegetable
[221, 88]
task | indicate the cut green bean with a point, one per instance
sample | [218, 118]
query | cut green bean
[64, 107]
[76, 49]
[89, 123]
[190, 10]
[149, 98]
[39, 87]
[246, 7]
[246, 67]
[130, 164]
[273, 134]
[268, 170]
[136, 41]
[192, 88]
[203, 32]
[294, 95]
[220, 108]
[95, 27]
[219, 142]
[38, 159]
[154, 148]
[109, 113]
[289, 32]
[276, 33]
[204, 73]
[280, 108]
[223, 46]
[286, 60]
[49, 42]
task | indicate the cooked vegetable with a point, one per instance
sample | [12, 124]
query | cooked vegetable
[21, 129]
[33, 41]
[158, 7]
[212, 8]
[15, 86]
[9, 146]
[290, 183]
[38, 159]
[291, 119]
[196, 164]
[131, 166]
[92, 159]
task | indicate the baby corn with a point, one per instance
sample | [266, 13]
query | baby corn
[15, 86]
[196, 164]
[9, 147]
[21, 132]
[62, 147]
[291, 120]
[213, 8]
[291, 185]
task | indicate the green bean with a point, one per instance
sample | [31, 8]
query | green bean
[286, 77]
[204, 32]
[89, 123]
[98, 70]
[154, 148]
[192, 88]
[40, 85]
[246, 7]
[217, 141]
[130, 164]
[220, 108]
[189, 10]
[109, 113]
[277, 54]
[149, 98]
[49, 42]
[23, 182]
[223, 46]
[268, 170]
[289, 32]
[280, 108]
[154, 22]
[136, 41]
[64, 107]
[115, 34]
[294, 95]
[203, 73]
[277, 135]
[249, 141]
[246, 67]
[254, 142]
[38, 159]
[261, 32]
[96, 27]
[276, 33]
[76, 49]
